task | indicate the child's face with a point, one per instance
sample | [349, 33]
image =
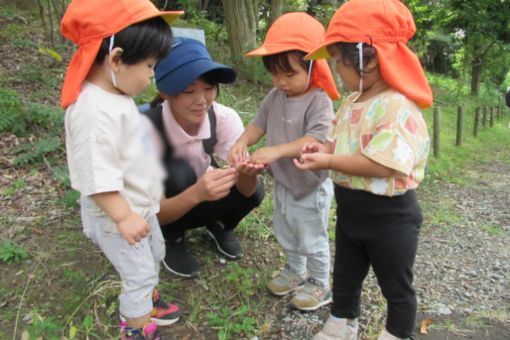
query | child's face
[134, 79]
[347, 73]
[190, 106]
[293, 83]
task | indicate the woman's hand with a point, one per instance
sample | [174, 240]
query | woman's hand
[313, 161]
[133, 228]
[215, 184]
[265, 155]
[238, 153]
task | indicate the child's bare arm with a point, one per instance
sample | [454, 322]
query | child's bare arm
[250, 136]
[357, 164]
[270, 154]
[131, 225]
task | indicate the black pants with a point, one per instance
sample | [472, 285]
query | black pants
[381, 232]
[229, 210]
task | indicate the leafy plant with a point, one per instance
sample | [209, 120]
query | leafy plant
[29, 153]
[47, 328]
[9, 252]
[11, 109]
[228, 322]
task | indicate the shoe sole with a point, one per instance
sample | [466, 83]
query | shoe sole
[159, 322]
[230, 256]
[311, 309]
[187, 276]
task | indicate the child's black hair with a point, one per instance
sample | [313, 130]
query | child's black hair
[276, 63]
[149, 38]
[350, 55]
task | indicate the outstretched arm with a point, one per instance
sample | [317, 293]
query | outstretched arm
[357, 164]
[250, 136]
[269, 154]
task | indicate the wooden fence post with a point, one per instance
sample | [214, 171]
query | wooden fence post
[491, 117]
[484, 117]
[437, 130]
[477, 122]
[460, 115]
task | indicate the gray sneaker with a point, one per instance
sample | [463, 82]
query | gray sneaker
[285, 281]
[311, 296]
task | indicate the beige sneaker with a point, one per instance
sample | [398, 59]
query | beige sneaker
[311, 296]
[338, 329]
[284, 282]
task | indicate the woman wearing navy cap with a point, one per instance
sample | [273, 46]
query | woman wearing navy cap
[189, 127]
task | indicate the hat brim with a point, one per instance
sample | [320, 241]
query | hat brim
[178, 80]
[168, 16]
[270, 50]
[320, 52]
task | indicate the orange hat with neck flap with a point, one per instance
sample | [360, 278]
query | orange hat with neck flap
[299, 31]
[88, 22]
[386, 25]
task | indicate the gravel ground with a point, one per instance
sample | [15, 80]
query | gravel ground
[462, 269]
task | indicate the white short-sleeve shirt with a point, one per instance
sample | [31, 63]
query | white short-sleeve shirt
[109, 149]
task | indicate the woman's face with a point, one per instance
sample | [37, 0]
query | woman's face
[190, 106]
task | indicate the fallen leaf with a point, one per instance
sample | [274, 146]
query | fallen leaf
[425, 326]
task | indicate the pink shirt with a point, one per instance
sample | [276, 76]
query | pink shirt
[228, 129]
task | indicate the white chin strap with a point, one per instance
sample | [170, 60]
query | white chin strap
[360, 51]
[114, 81]
[309, 75]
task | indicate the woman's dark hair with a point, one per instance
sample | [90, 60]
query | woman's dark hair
[350, 55]
[276, 63]
[149, 38]
[210, 78]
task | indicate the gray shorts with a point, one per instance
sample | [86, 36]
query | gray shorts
[138, 264]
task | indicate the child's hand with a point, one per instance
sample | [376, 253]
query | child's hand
[250, 169]
[215, 184]
[313, 147]
[313, 161]
[238, 153]
[133, 228]
[265, 155]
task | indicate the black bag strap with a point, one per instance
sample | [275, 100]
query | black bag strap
[211, 141]
[155, 114]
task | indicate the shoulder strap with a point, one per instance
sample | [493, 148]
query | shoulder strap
[211, 141]
[155, 114]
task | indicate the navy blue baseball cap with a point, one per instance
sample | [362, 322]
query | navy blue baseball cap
[187, 61]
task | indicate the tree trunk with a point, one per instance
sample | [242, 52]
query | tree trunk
[241, 23]
[476, 73]
[276, 10]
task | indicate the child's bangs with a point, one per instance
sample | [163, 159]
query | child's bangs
[279, 63]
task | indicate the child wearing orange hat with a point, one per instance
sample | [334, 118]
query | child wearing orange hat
[377, 156]
[109, 157]
[296, 111]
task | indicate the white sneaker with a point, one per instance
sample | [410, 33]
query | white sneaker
[338, 329]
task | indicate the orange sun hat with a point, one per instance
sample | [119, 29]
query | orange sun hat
[386, 25]
[299, 31]
[88, 22]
